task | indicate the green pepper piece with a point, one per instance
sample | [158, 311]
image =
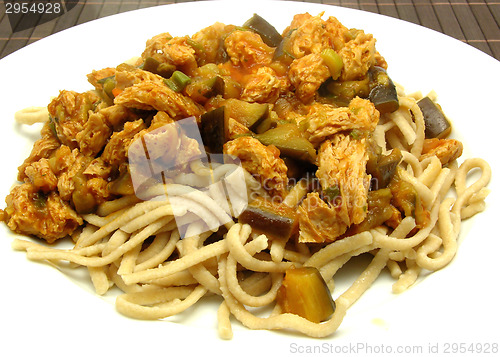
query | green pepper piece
[333, 61]
[108, 86]
[150, 64]
[331, 193]
[178, 81]
[198, 47]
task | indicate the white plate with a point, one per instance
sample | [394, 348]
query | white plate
[45, 310]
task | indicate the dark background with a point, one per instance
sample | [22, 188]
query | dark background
[475, 22]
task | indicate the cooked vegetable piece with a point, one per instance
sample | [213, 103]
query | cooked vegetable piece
[232, 88]
[197, 47]
[208, 70]
[150, 64]
[436, 124]
[267, 32]
[331, 194]
[122, 185]
[178, 81]
[201, 89]
[82, 199]
[270, 122]
[248, 114]
[383, 93]
[383, 167]
[406, 198]
[276, 220]
[282, 53]
[379, 210]
[39, 200]
[343, 92]
[108, 85]
[304, 292]
[333, 61]
[289, 140]
[297, 169]
[116, 91]
[154, 66]
[214, 129]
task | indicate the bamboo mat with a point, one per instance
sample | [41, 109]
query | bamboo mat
[475, 22]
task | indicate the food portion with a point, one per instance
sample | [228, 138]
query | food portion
[334, 160]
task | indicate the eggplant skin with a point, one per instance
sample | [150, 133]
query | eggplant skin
[274, 219]
[304, 292]
[214, 130]
[383, 93]
[436, 124]
[267, 32]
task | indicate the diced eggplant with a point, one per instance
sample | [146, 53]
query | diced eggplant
[289, 140]
[267, 32]
[201, 89]
[436, 124]
[342, 92]
[232, 88]
[248, 114]
[282, 52]
[304, 292]
[297, 169]
[214, 129]
[376, 86]
[215, 86]
[270, 122]
[383, 167]
[383, 93]
[154, 66]
[276, 220]
[215, 123]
